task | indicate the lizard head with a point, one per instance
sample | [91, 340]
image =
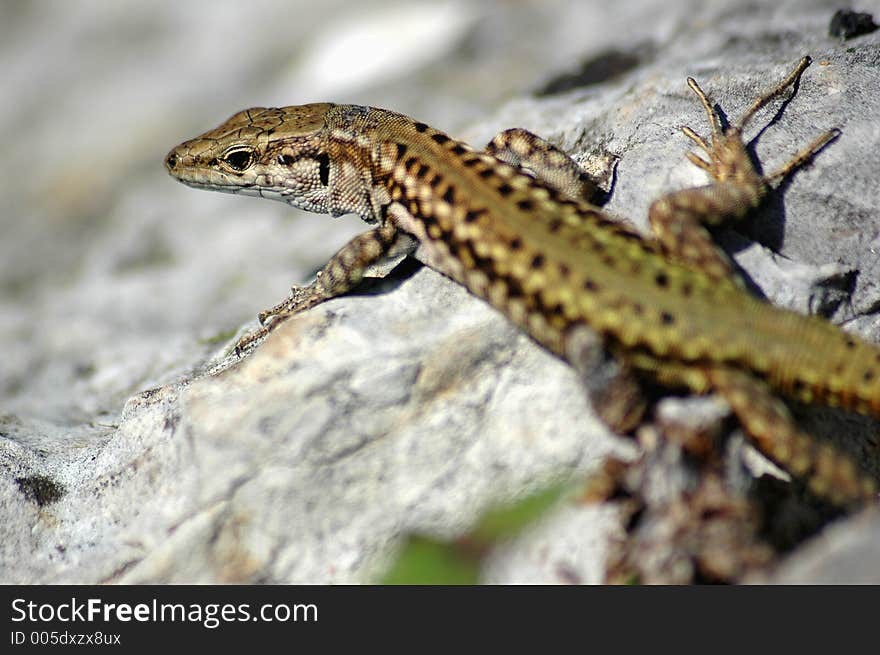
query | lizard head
[279, 153]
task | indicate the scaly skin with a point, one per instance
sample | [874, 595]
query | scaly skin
[537, 250]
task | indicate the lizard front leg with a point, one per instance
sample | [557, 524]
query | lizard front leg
[341, 274]
[613, 389]
[548, 163]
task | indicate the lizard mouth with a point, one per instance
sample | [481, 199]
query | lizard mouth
[234, 188]
[185, 168]
[192, 179]
[211, 186]
[182, 167]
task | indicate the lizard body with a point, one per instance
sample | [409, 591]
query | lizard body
[514, 224]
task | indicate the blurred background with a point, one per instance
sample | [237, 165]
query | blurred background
[110, 272]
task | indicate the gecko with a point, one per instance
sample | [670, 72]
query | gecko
[515, 224]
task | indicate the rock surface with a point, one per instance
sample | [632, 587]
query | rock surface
[409, 406]
[843, 554]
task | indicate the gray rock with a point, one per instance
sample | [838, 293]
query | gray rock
[846, 552]
[409, 407]
[569, 546]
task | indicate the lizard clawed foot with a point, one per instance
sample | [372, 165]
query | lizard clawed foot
[726, 151]
[247, 341]
[802, 157]
[300, 299]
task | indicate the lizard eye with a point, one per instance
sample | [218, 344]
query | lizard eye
[239, 158]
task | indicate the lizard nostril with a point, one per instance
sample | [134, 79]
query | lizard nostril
[171, 161]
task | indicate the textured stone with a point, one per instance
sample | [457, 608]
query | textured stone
[847, 552]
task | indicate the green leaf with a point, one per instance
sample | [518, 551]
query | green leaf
[220, 337]
[425, 562]
[508, 520]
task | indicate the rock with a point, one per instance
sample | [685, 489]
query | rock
[847, 552]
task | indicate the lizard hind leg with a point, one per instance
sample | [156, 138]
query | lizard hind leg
[827, 471]
[611, 385]
[679, 219]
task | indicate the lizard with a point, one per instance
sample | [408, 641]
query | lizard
[514, 223]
